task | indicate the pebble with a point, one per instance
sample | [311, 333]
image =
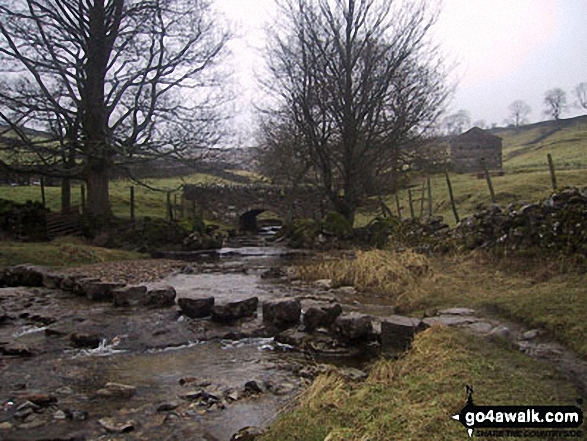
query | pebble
[166, 407]
[117, 390]
[59, 415]
[531, 335]
[253, 387]
[323, 283]
[117, 427]
[500, 331]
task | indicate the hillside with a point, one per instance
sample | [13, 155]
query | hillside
[525, 148]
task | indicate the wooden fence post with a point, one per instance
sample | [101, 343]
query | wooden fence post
[83, 195]
[422, 193]
[489, 183]
[411, 203]
[182, 206]
[169, 207]
[552, 173]
[175, 211]
[452, 198]
[399, 209]
[429, 197]
[132, 204]
[43, 199]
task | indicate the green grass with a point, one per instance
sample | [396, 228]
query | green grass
[541, 293]
[526, 179]
[148, 202]
[66, 251]
[470, 192]
[413, 398]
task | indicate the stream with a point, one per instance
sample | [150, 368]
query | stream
[155, 374]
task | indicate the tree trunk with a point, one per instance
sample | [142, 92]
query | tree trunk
[65, 194]
[98, 196]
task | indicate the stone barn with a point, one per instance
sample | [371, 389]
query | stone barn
[470, 148]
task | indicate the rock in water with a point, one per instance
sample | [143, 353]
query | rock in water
[85, 340]
[233, 311]
[354, 326]
[196, 308]
[161, 298]
[321, 317]
[129, 295]
[282, 313]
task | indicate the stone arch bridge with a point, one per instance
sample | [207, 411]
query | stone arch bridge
[239, 205]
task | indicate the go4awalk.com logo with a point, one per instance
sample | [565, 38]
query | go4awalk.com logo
[550, 422]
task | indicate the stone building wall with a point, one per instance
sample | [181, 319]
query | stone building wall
[467, 151]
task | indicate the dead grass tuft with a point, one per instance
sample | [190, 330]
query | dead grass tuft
[378, 271]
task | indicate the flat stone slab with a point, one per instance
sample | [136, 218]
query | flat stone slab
[196, 308]
[450, 320]
[457, 311]
[397, 332]
[481, 327]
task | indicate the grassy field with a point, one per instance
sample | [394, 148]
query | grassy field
[414, 398]
[148, 202]
[65, 251]
[526, 178]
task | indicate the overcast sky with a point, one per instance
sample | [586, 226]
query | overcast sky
[505, 49]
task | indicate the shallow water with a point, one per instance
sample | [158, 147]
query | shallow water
[151, 350]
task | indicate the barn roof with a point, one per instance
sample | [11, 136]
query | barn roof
[477, 133]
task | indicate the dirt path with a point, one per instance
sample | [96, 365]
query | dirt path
[530, 341]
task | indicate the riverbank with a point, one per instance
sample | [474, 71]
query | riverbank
[413, 398]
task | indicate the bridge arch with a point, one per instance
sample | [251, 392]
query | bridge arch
[229, 203]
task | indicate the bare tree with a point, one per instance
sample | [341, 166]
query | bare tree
[456, 123]
[112, 82]
[282, 152]
[581, 95]
[358, 79]
[519, 112]
[555, 101]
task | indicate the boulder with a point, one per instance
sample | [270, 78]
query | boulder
[85, 340]
[292, 337]
[196, 308]
[53, 280]
[67, 284]
[129, 295]
[354, 326]
[23, 275]
[282, 313]
[40, 399]
[161, 298]
[322, 317]
[78, 284]
[314, 318]
[100, 291]
[233, 311]
[16, 350]
[397, 332]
